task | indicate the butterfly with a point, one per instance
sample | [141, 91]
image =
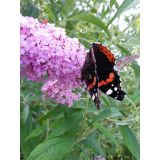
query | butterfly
[99, 74]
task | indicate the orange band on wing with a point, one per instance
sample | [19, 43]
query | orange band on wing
[108, 53]
[92, 84]
[108, 80]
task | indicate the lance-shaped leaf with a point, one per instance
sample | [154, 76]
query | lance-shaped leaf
[126, 5]
[91, 19]
[52, 149]
[130, 140]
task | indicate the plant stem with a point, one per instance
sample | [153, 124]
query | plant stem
[84, 118]
[48, 129]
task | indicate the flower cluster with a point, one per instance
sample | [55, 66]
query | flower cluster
[122, 62]
[49, 56]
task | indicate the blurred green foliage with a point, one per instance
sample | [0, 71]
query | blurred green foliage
[54, 132]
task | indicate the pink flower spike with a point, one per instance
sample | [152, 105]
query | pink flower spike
[49, 56]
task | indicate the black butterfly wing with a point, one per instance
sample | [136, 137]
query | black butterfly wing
[89, 75]
[110, 85]
[109, 80]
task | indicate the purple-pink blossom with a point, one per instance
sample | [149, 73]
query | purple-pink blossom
[49, 56]
[122, 62]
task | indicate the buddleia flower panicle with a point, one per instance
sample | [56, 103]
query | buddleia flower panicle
[124, 61]
[49, 56]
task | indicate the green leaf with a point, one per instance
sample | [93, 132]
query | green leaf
[132, 42]
[26, 129]
[105, 101]
[34, 98]
[106, 132]
[26, 10]
[91, 19]
[26, 147]
[55, 8]
[112, 2]
[67, 6]
[136, 96]
[124, 50]
[72, 156]
[85, 42]
[130, 24]
[35, 12]
[131, 101]
[136, 68]
[25, 113]
[84, 156]
[63, 125]
[52, 149]
[130, 141]
[115, 112]
[36, 132]
[92, 143]
[126, 5]
[102, 115]
[56, 112]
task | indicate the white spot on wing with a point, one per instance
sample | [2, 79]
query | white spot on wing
[93, 97]
[109, 92]
[115, 88]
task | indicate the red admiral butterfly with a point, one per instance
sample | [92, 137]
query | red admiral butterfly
[99, 74]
